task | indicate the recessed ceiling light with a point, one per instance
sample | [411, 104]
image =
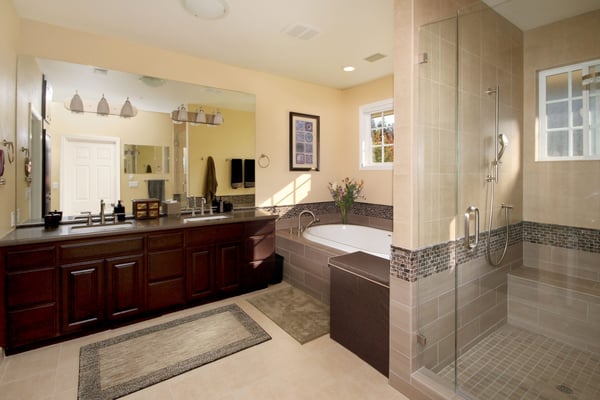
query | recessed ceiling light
[207, 9]
[349, 68]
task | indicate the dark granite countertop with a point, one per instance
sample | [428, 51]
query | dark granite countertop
[365, 265]
[32, 234]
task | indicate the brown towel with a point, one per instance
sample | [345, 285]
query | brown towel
[211, 183]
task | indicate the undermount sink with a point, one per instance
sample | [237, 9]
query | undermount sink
[204, 218]
[100, 228]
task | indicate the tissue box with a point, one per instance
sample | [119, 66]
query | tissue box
[171, 208]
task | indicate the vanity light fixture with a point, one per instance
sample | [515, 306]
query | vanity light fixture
[206, 9]
[76, 105]
[127, 109]
[103, 108]
[180, 115]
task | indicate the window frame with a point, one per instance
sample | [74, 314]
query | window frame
[542, 142]
[364, 145]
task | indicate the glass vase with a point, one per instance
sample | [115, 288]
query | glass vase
[344, 212]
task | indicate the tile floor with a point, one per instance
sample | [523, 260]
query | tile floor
[280, 369]
[513, 363]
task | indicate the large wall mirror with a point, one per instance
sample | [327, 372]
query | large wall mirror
[169, 152]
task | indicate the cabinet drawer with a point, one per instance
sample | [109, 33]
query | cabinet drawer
[32, 324]
[260, 247]
[100, 248]
[165, 241]
[29, 258]
[165, 265]
[259, 228]
[166, 294]
[214, 234]
[25, 288]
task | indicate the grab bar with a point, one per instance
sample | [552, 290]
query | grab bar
[475, 211]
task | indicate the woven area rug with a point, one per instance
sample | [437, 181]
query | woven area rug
[302, 316]
[124, 364]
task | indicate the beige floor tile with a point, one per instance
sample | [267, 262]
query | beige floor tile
[280, 368]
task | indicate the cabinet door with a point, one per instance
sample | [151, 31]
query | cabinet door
[228, 266]
[82, 296]
[165, 279]
[124, 289]
[200, 279]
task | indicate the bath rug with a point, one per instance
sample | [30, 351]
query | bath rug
[302, 316]
[124, 364]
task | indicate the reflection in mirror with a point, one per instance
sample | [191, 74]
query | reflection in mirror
[179, 151]
[140, 159]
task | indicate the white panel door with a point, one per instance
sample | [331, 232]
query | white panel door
[89, 173]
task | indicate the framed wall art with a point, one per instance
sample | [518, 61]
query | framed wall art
[304, 142]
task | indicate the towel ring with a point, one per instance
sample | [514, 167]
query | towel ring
[264, 161]
[11, 150]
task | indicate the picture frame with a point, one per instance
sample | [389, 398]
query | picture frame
[304, 142]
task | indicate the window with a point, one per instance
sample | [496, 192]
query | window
[569, 113]
[377, 135]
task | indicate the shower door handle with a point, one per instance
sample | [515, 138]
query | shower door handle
[475, 211]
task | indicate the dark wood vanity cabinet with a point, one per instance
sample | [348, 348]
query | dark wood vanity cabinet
[100, 280]
[165, 280]
[259, 254]
[72, 287]
[213, 256]
[31, 290]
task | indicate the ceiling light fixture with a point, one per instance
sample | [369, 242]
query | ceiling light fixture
[206, 9]
[348, 68]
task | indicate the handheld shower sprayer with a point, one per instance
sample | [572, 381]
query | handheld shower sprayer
[503, 142]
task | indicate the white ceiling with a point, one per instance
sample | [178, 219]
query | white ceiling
[252, 35]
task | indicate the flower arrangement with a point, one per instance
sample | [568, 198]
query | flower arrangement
[344, 195]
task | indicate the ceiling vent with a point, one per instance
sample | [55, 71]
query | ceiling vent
[100, 71]
[300, 31]
[375, 57]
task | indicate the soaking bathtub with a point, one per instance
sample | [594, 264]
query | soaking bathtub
[351, 238]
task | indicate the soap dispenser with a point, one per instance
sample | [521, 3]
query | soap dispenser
[119, 211]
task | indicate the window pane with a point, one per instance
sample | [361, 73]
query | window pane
[376, 154]
[557, 114]
[376, 136]
[576, 86]
[578, 142]
[388, 136]
[557, 86]
[388, 154]
[595, 139]
[388, 119]
[577, 112]
[376, 120]
[558, 144]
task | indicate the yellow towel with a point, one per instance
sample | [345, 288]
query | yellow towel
[210, 190]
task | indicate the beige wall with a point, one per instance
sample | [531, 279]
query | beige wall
[563, 193]
[378, 184]
[234, 139]
[275, 98]
[9, 28]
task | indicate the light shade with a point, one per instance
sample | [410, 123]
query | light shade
[218, 119]
[206, 9]
[76, 104]
[127, 109]
[200, 117]
[103, 108]
[182, 113]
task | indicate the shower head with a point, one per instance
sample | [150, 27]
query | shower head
[503, 142]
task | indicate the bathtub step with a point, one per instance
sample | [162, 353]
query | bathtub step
[555, 279]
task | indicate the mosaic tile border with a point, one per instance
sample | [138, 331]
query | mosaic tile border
[411, 265]
[329, 207]
[562, 236]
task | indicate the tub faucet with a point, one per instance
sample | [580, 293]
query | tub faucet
[314, 220]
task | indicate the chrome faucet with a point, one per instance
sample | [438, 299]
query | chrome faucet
[102, 204]
[314, 220]
[193, 206]
[202, 204]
